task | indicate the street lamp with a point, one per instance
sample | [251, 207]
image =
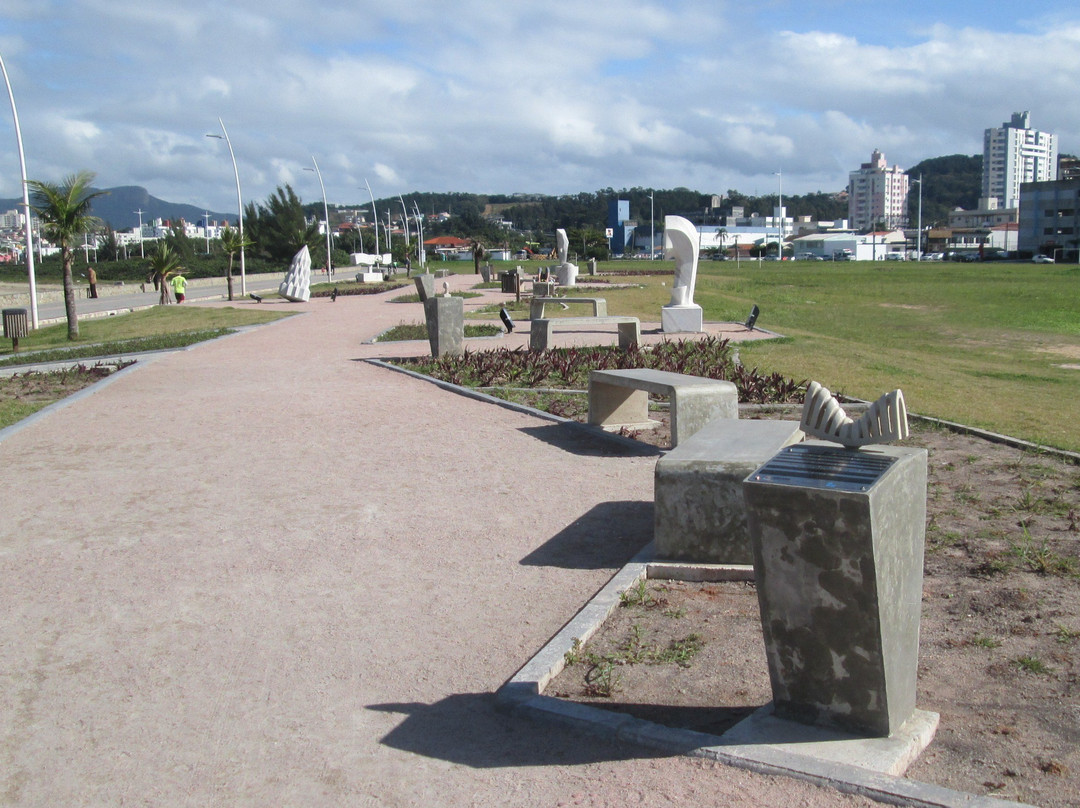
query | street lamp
[239, 204]
[918, 249]
[26, 204]
[141, 253]
[374, 217]
[326, 213]
[652, 228]
[780, 215]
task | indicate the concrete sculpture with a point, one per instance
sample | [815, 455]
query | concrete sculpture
[566, 273]
[884, 421]
[681, 243]
[296, 287]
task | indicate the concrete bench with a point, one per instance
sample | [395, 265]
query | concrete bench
[540, 331]
[700, 515]
[619, 398]
[536, 307]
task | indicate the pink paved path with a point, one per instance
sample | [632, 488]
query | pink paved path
[261, 573]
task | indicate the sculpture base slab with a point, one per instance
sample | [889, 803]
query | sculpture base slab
[369, 277]
[893, 755]
[566, 274]
[674, 319]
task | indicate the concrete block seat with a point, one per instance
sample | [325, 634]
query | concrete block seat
[620, 398]
[700, 514]
[540, 331]
[536, 306]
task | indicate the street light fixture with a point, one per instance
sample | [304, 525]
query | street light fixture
[326, 213]
[239, 205]
[26, 204]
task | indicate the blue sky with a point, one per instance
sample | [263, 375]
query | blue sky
[541, 97]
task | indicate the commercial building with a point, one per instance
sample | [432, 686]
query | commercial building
[1013, 154]
[877, 194]
[1050, 219]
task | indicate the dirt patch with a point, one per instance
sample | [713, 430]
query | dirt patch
[1000, 638]
[38, 388]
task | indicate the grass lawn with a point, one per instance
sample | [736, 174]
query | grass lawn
[993, 345]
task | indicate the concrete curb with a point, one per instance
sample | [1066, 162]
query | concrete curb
[522, 695]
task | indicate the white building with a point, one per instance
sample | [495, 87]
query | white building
[877, 194]
[1015, 153]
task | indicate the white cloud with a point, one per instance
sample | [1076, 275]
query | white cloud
[524, 96]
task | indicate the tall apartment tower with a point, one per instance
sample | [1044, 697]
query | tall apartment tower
[1015, 153]
[877, 194]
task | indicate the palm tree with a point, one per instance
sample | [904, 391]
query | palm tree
[231, 244]
[64, 211]
[163, 263]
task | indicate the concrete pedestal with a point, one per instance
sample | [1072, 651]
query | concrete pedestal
[838, 539]
[566, 274]
[674, 319]
[445, 325]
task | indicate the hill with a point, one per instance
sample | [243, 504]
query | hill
[117, 208]
[949, 182]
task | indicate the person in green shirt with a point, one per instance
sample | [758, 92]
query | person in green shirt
[179, 285]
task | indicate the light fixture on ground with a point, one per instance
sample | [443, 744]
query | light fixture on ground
[26, 203]
[239, 204]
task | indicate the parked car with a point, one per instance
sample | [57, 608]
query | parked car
[895, 256]
[1043, 259]
[808, 256]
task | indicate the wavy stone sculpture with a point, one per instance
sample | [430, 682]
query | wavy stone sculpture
[296, 287]
[566, 273]
[884, 421]
[681, 243]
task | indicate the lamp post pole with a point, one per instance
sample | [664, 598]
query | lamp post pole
[421, 252]
[326, 214]
[652, 228]
[26, 204]
[239, 204]
[141, 253]
[374, 217]
[780, 216]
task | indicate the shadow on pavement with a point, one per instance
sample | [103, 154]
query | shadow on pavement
[468, 730]
[606, 536]
[589, 442]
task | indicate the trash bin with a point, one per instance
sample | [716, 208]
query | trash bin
[508, 281]
[16, 326]
[837, 536]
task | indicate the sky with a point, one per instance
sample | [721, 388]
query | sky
[552, 97]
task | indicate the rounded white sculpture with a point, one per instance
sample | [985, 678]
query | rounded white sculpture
[296, 287]
[885, 420]
[681, 243]
[565, 273]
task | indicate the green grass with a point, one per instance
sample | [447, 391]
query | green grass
[410, 331]
[153, 327]
[981, 344]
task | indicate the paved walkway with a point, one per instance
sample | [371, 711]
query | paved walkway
[262, 573]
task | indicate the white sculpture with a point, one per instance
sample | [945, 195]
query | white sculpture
[565, 273]
[681, 243]
[296, 287]
[884, 421]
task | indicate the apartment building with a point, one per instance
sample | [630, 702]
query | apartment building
[1013, 154]
[877, 194]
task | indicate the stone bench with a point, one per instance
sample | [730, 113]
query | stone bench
[540, 331]
[619, 398]
[536, 307]
[700, 515]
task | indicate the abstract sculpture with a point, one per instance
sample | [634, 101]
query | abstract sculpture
[681, 243]
[296, 287]
[884, 421]
[566, 273]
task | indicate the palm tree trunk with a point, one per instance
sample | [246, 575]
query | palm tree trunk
[69, 295]
[228, 278]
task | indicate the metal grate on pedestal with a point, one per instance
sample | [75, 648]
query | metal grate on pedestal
[827, 467]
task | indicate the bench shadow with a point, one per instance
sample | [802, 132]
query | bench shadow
[467, 729]
[607, 535]
[590, 442]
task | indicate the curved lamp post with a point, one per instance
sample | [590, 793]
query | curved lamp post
[26, 204]
[239, 204]
[374, 217]
[326, 213]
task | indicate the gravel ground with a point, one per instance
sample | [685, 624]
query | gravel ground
[260, 572]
